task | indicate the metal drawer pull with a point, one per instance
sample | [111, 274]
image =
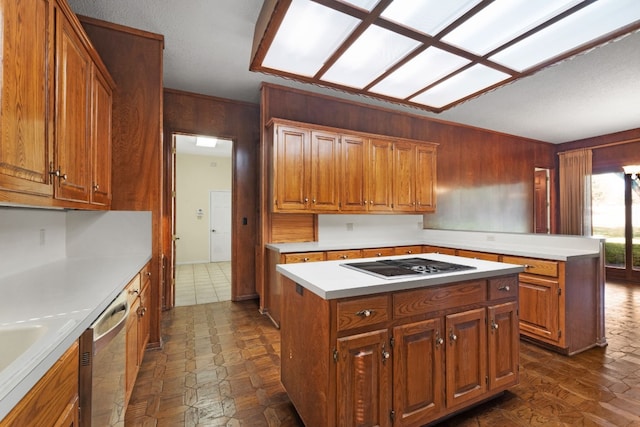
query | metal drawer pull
[453, 337]
[305, 259]
[505, 288]
[494, 325]
[529, 266]
[365, 313]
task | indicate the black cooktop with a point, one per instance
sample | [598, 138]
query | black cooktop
[406, 267]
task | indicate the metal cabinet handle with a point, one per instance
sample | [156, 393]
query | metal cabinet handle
[365, 313]
[439, 341]
[313, 201]
[378, 254]
[529, 266]
[58, 174]
[505, 288]
[344, 256]
[452, 337]
[305, 259]
[96, 187]
[135, 291]
[494, 325]
[385, 354]
[148, 273]
[306, 200]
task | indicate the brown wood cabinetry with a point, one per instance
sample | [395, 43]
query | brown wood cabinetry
[56, 102]
[414, 173]
[477, 255]
[376, 252]
[26, 131]
[53, 401]
[438, 249]
[137, 335]
[408, 250]
[348, 254]
[405, 358]
[321, 169]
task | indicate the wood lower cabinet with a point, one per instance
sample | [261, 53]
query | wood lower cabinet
[438, 250]
[348, 254]
[53, 401]
[138, 325]
[404, 358]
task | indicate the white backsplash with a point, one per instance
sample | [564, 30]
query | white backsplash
[33, 237]
[368, 228]
[30, 237]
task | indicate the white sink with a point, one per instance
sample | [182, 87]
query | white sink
[15, 340]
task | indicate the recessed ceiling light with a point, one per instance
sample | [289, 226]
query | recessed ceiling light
[204, 141]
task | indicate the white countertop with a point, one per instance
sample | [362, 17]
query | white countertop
[551, 247]
[330, 280]
[67, 295]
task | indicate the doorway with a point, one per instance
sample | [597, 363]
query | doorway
[202, 203]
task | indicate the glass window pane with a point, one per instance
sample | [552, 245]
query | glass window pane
[635, 221]
[607, 192]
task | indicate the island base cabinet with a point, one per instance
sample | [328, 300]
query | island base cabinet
[411, 358]
[364, 378]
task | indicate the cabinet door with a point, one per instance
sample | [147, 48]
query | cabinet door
[353, 164]
[404, 169]
[291, 168]
[364, 380]
[466, 356]
[72, 144]
[26, 94]
[143, 322]
[379, 181]
[504, 341]
[100, 140]
[418, 372]
[70, 416]
[325, 159]
[539, 305]
[425, 177]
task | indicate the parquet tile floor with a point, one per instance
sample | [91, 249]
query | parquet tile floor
[220, 367]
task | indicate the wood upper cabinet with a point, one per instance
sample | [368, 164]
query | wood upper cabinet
[364, 380]
[291, 153]
[413, 177]
[324, 171]
[425, 176]
[320, 169]
[55, 121]
[353, 187]
[73, 88]
[404, 172]
[380, 175]
[101, 104]
[26, 97]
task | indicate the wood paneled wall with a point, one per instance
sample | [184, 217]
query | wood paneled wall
[485, 179]
[134, 59]
[198, 114]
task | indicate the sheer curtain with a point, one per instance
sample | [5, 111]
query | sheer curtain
[575, 192]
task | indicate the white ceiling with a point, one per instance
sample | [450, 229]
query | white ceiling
[208, 48]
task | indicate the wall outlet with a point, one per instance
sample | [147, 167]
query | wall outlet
[349, 226]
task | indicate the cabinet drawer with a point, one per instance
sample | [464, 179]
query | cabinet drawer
[350, 254]
[304, 257]
[503, 287]
[374, 252]
[534, 266]
[478, 255]
[133, 289]
[408, 250]
[420, 301]
[438, 250]
[362, 312]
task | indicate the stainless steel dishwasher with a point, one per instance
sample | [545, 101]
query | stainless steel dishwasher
[102, 367]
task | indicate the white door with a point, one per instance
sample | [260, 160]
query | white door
[220, 226]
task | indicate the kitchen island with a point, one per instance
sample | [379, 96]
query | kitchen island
[357, 349]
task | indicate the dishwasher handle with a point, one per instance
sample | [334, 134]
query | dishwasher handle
[110, 322]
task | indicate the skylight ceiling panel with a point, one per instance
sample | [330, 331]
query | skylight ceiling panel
[586, 25]
[463, 84]
[362, 4]
[427, 16]
[308, 35]
[423, 70]
[369, 56]
[503, 21]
